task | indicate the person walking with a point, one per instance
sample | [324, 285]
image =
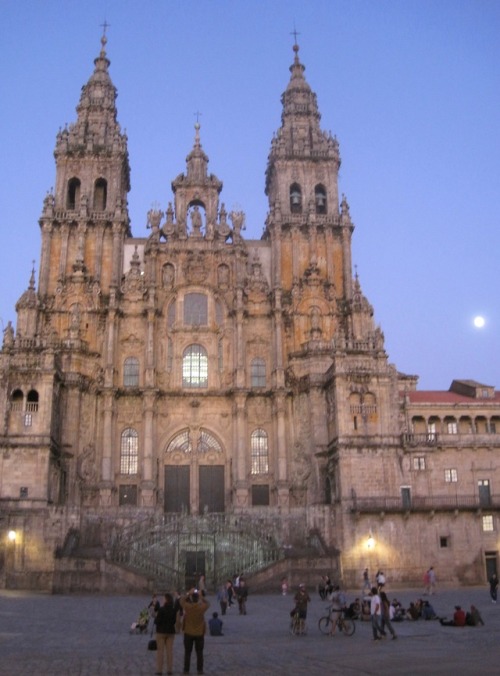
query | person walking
[194, 608]
[242, 596]
[432, 580]
[493, 587]
[366, 582]
[165, 634]
[376, 615]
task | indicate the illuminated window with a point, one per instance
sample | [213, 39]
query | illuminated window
[129, 451]
[259, 452]
[258, 373]
[452, 427]
[419, 463]
[487, 523]
[131, 372]
[195, 367]
[450, 475]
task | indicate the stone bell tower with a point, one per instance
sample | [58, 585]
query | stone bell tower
[85, 220]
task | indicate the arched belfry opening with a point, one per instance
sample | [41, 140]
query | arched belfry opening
[73, 195]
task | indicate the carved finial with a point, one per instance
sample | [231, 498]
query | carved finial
[32, 278]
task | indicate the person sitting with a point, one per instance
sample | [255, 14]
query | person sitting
[413, 612]
[354, 610]
[399, 611]
[474, 619]
[457, 621]
[428, 612]
[215, 625]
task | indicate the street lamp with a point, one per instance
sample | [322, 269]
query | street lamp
[12, 535]
[370, 543]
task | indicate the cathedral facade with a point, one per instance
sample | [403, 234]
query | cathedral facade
[200, 376]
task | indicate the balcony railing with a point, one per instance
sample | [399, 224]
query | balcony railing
[435, 503]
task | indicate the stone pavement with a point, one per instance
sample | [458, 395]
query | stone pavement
[44, 635]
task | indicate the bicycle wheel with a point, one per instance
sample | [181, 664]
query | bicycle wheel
[348, 626]
[295, 626]
[324, 625]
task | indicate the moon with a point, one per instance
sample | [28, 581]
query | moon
[479, 322]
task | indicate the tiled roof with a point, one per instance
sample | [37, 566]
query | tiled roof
[447, 397]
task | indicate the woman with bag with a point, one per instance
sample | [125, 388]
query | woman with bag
[165, 634]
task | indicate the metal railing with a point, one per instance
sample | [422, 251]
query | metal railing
[424, 503]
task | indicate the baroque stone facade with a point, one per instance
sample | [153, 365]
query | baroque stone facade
[197, 372]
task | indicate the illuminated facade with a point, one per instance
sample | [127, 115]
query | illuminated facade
[194, 372]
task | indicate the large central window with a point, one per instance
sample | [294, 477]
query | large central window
[195, 366]
[195, 309]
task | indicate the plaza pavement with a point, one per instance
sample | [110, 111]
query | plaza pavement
[45, 635]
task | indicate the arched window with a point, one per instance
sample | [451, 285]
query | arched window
[320, 199]
[129, 451]
[32, 401]
[195, 309]
[131, 372]
[16, 400]
[259, 452]
[100, 194]
[195, 366]
[73, 197]
[258, 372]
[295, 199]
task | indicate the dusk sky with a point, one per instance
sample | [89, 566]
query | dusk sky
[411, 89]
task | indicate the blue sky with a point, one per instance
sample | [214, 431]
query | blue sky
[411, 89]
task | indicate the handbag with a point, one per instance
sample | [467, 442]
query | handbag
[152, 644]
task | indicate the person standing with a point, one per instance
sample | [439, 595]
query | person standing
[194, 608]
[242, 596]
[376, 615]
[432, 580]
[366, 582]
[386, 610]
[165, 634]
[222, 598]
[493, 587]
[301, 600]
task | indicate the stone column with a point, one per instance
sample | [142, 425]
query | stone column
[44, 277]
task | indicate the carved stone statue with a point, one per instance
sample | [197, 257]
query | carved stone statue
[196, 221]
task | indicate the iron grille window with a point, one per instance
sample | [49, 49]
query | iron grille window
[129, 451]
[258, 371]
[131, 372]
[195, 309]
[259, 452]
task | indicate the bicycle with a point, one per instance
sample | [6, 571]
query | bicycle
[344, 624]
[297, 626]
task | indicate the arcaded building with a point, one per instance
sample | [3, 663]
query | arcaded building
[194, 401]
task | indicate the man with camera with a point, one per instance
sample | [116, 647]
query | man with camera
[194, 608]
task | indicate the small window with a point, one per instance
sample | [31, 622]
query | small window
[452, 427]
[131, 372]
[28, 420]
[260, 496]
[16, 400]
[259, 452]
[100, 194]
[73, 197]
[128, 495]
[195, 309]
[488, 523]
[32, 401]
[295, 199]
[444, 541]
[129, 452]
[258, 371]
[320, 199]
[450, 476]
[419, 463]
[23, 492]
[170, 354]
[195, 367]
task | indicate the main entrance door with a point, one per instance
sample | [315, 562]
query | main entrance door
[177, 488]
[211, 488]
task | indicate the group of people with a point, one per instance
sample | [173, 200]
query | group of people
[462, 619]
[186, 613]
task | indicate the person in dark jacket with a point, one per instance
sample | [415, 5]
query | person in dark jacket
[165, 634]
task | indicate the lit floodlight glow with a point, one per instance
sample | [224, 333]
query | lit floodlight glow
[479, 322]
[12, 535]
